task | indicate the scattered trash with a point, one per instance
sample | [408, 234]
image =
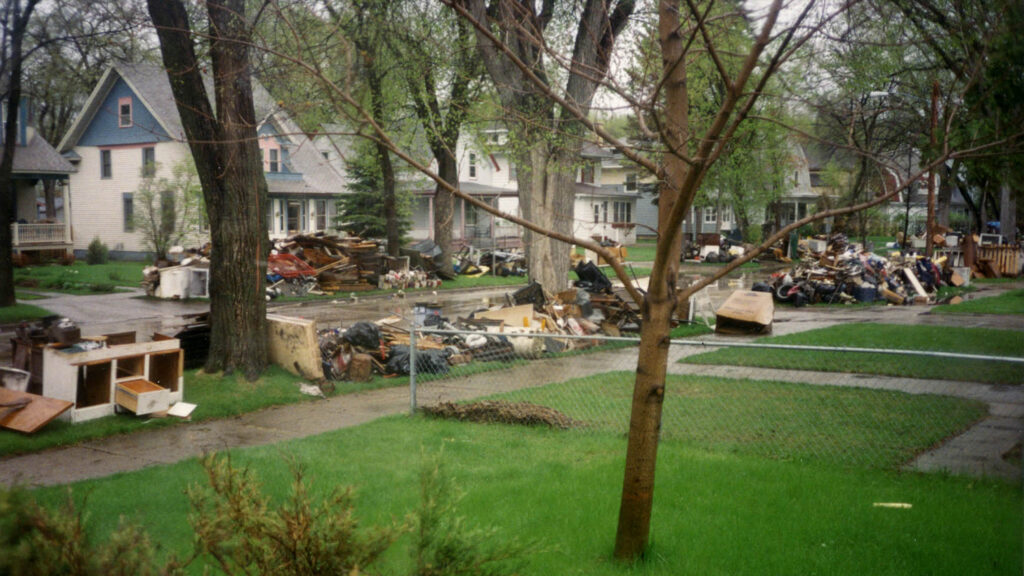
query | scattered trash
[311, 390]
[181, 410]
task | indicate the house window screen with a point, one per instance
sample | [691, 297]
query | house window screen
[106, 165]
[128, 204]
[148, 162]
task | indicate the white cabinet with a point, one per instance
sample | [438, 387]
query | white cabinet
[90, 378]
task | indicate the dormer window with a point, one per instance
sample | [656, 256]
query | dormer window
[275, 164]
[124, 113]
[472, 165]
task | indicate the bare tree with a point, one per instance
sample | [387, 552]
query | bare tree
[15, 21]
[223, 141]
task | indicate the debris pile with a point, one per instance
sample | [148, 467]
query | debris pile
[321, 264]
[503, 332]
[835, 271]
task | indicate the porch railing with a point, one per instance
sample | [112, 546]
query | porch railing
[24, 235]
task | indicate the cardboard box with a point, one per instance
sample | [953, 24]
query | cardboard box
[142, 396]
[746, 312]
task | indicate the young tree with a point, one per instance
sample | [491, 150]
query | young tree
[360, 211]
[222, 137]
[169, 210]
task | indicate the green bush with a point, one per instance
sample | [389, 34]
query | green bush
[97, 253]
[239, 529]
[38, 541]
[754, 234]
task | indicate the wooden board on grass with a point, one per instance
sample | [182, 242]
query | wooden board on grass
[36, 412]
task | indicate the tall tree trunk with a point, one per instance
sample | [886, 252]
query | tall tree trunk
[1007, 213]
[389, 199]
[225, 150]
[945, 197]
[545, 177]
[444, 209]
[8, 192]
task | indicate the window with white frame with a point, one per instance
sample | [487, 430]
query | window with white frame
[472, 165]
[275, 164]
[710, 215]
[597, 213]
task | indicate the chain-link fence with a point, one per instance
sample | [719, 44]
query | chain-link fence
[800, 403]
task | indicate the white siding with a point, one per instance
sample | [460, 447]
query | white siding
[98, 202]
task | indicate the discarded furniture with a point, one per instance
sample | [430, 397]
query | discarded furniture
[95, 379]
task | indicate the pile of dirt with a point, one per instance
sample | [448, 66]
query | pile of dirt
[503, 412]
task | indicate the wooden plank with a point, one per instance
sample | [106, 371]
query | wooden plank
[293, 345]
[912, 278]
[519, 316]
[37, 411]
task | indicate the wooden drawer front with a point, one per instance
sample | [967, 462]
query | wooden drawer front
[142, 396]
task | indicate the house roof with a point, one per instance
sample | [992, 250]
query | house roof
[38, 159]
[581, 189]
[150, 84]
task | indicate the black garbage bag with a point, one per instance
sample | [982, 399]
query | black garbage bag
[532, 293]
[591, 278]
[363, 335]
[427, 361]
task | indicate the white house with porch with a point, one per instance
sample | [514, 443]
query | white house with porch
[605, 195]
[38, 229]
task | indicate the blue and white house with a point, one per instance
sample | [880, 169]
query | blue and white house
[129, 129]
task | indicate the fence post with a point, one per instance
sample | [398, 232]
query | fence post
[412, 369]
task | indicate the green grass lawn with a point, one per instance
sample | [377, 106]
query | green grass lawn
[982, 341]
[777, 420]
[1011, 302]
[80, 278]
[20, 312]
[715, 513]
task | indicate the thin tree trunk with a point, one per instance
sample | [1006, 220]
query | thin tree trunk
[634, 525]
[8, 192]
